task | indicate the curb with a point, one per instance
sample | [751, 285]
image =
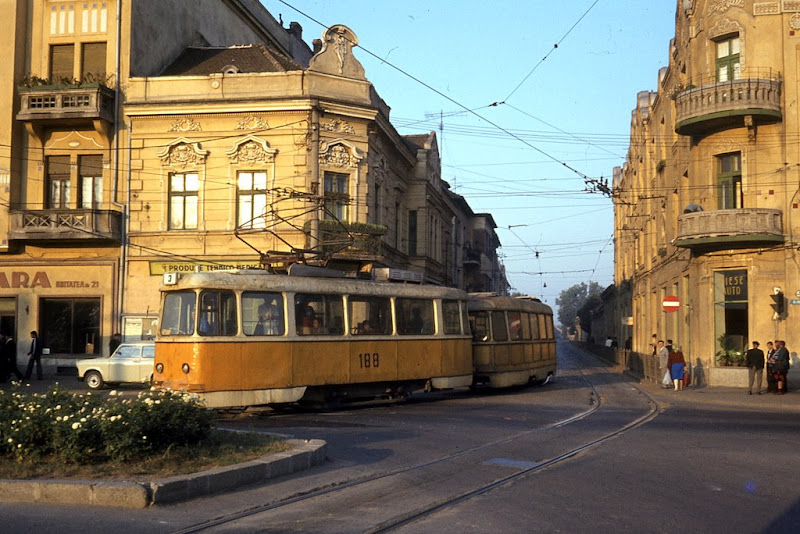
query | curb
[304, 455]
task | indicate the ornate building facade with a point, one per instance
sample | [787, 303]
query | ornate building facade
[178, 136]
[706, 205]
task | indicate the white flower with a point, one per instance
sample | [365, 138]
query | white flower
[76, 426]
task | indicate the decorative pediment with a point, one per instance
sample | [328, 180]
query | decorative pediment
[336, 55]
[185, 124]
[339, 153]
[72, 139]
[183, 152]
[251, 150]
[724, 27]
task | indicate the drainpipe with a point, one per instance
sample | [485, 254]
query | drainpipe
[316, 186]
[115, 168]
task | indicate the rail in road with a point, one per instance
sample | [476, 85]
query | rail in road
[405, 496]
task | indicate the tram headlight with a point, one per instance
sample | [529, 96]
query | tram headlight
[185, 368]
[159, 367]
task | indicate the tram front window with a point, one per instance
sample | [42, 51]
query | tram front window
[479, 324]
[177, 317]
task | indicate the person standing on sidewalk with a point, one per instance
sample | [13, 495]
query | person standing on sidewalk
[35, 356]
[772, 386]
[781, 366]
[755, 367]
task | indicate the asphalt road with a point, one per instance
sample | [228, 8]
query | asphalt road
[594, 451]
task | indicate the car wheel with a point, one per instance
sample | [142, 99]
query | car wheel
[93, 379]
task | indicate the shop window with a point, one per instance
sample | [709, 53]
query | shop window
[183, 201]
[727, 61]
[58, 183]
[729, 181]
[252, 199]
[337, 195]
[730, 316]
[91, 182]
[414, 316]
[70, 326]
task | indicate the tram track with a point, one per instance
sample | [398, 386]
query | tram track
[419, 470]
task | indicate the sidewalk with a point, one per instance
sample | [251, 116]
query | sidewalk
[68, 382]
[725, 396]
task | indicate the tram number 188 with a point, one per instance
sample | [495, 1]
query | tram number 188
[367, 360]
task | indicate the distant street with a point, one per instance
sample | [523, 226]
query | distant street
[593, 451]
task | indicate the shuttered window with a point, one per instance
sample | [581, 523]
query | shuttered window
[91, 181]
[93, 62]
[62, 62]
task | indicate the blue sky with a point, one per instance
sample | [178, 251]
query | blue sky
[565, 111]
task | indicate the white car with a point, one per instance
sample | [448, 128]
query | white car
[131, 363]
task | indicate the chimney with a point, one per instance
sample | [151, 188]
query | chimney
[296, 30]
[317, 45]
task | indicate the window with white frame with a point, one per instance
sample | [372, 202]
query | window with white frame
[90, 169]
[252, 199]
[183, 201]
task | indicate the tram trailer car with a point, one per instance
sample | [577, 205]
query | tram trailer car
[244, 338]
[513, 340]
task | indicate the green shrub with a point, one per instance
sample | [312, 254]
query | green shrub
[88, 429]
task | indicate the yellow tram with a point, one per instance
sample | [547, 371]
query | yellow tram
[513, 340]
[241, 338]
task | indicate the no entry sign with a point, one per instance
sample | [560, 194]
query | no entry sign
[671, 303]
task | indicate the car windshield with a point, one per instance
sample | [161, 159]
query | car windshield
[128, 352]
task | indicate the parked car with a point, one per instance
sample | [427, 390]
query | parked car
[131, 363]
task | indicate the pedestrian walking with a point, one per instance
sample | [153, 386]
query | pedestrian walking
[677, 367]
[9, 355]
[772, 385]
[754, 359]
[116, 341]
[34, 356]
[663, 365]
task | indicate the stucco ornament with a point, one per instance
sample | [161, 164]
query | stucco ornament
[252, 123]
[721, 6]
[251, 150]
[336, 55]
[182, 153]
[724, 27]
[794, 21]
[185, 125]
[339, 126]
[339, 154]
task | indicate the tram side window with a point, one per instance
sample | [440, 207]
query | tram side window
[414, 316]
[177, 317]
[319, 315]
[217, 313]
[542, 326]
[262, 314]
[515, 325]
[499, 331]
[370, 315]
[479, 324]
[526, 326]
[549, 322]
[452, 317]
[535, 327]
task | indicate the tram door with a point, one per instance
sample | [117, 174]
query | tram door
[8, 317]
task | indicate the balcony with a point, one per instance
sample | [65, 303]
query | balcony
[66, 225]
[721, 105]
[738, 228]
[58, 105]
[348, 239]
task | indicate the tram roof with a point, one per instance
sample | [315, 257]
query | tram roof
[255, 280]
[478, 301]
